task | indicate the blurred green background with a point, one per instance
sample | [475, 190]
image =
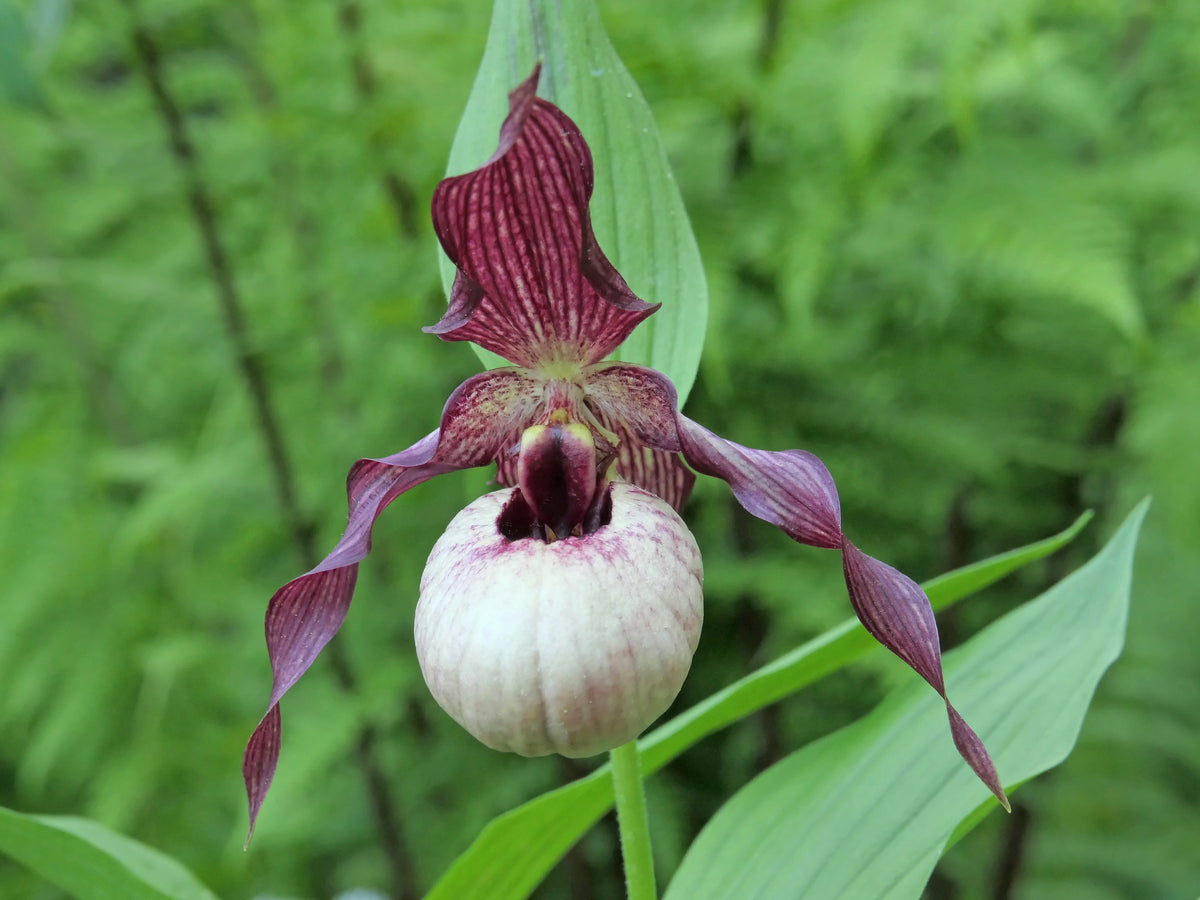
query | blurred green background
[953, 248]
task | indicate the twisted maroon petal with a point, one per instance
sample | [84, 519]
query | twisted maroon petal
[894, 609]
[790, 488]
[793, 490]
[483, 417]
[532, 283]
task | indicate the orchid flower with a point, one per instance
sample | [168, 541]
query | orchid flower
[560, 614]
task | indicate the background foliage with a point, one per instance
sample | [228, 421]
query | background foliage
[952, 248]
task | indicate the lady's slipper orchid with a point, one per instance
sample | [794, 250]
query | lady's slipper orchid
[571, 646]
[560, 614]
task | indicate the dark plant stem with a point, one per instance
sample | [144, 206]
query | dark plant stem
[1185, 286]
[941, 887]
[249, 360]
[290, 200]
[957, 541]
[768, 39]
[1092, 487]
[253, 376]
[752, 627]
[742, 156]
[400, 194]
[1008, 867]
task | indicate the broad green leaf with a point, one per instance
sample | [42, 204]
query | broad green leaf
[867, 811]
[90, 862]
[824, 654]
[516, 850]
[637, 212]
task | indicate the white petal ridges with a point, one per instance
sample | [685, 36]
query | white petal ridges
[571, 647]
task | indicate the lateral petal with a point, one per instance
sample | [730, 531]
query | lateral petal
[793, 490]
[533, 285]
[894, 609]
[788, 488]
[483, 417]
[638, 406]
[661, 472]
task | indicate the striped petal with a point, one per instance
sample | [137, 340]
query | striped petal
[894, 609]
[638, 406]
[793, 490]
[789, 488]
[483, 417]
[532, 285]
[660, 472]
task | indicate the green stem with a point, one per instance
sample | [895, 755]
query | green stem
[633, 822]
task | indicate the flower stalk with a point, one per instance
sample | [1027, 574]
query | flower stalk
[633, 822]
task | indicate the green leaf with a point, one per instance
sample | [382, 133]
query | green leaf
[515, 850]
[637, 212]
[91, 862]
[867, 811]
[18, 84]
[48, 19]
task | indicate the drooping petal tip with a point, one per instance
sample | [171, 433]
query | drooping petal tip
[971, 749]
[483, 417]
[898, 614]
[259, 763]
[793, 490]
